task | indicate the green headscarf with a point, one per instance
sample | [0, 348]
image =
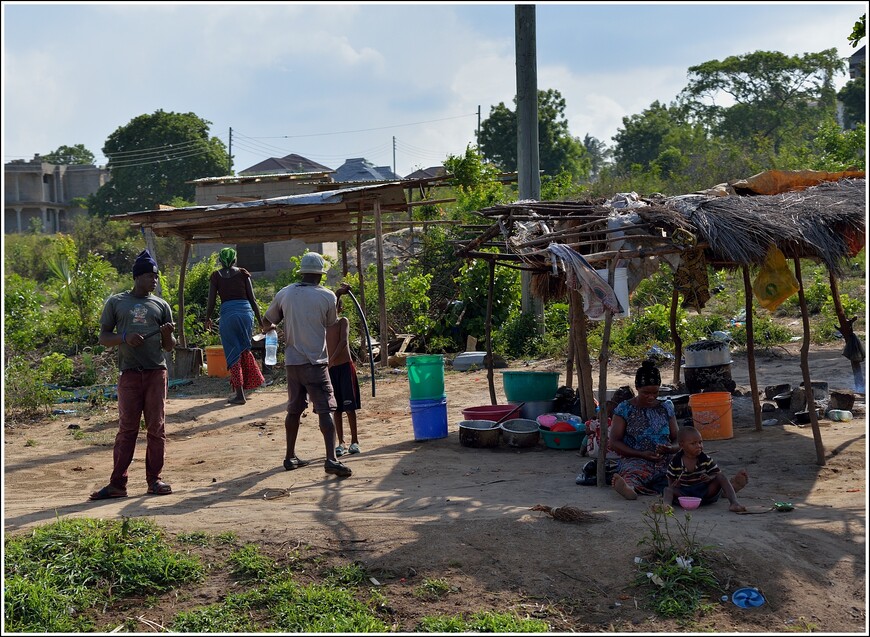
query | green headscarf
[227, 256]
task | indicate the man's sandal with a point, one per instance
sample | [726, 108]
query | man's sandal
[158, 487]
[107, 493]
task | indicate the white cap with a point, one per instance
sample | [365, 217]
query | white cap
[312, 263]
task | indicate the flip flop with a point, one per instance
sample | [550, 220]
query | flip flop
[107, 493]
[158, 487]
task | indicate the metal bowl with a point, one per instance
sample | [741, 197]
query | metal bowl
[520, 432]
[479, 433]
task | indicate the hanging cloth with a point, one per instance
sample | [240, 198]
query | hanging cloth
[597, 295]
[690, 279]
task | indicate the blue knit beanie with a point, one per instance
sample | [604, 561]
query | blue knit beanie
[144, 264]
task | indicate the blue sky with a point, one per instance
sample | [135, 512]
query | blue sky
[340, 80]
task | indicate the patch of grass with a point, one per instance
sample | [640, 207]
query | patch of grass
[30, 443]
[226, 538]
[286, 607]
[432, 589]
[348, 575]
[55, 573]
[247, 563]
[196, 538]
[486, 622]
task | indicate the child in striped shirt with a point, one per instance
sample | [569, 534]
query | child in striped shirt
[693, 473]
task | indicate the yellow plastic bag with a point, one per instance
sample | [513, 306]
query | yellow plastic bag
[775, 283]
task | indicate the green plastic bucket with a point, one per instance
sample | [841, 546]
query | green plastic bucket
[528, 386]
[426, 376]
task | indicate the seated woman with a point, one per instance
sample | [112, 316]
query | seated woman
[238, 308]
[644, 434]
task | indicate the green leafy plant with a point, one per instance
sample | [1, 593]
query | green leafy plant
[677, 567]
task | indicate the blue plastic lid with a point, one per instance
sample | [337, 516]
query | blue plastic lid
[747, 598]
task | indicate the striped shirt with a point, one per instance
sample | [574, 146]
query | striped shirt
[705, 466]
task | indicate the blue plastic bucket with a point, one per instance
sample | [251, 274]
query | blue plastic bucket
[429, 418]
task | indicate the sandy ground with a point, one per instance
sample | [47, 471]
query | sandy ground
[437, 509]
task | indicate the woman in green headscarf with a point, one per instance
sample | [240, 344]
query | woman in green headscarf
[238, 309]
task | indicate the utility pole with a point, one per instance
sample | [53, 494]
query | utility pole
[231, 149]
[528, 173]
[394, 154]
[478, 127]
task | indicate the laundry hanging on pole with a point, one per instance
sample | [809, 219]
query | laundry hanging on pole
[597, 295]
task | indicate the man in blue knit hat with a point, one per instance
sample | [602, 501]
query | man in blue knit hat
[131, 321]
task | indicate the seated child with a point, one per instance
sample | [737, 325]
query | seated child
[693, 473]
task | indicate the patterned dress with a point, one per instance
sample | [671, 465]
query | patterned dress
[645, 427]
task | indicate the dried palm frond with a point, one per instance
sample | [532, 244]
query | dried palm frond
[564, 514]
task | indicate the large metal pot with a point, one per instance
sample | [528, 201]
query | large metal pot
[707, 354]
[520, 432]
[479, 433]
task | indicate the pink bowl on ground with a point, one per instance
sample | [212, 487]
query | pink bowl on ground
[690, 504]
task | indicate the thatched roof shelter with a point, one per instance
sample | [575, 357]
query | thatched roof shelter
[805, 214]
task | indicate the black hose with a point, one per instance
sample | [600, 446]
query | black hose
[368, 337]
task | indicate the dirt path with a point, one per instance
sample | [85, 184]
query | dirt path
[438, 509]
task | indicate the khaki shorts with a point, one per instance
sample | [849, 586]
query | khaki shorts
[309, 381]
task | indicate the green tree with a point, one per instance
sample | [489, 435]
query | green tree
[598, 155]
[70, 155]
[859, 31]
[153, 158]
[476, 182]
[558, 150]
[775, 96]
[854, 98]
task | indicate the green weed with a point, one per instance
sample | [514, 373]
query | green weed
[677, 567]
[486, 622]
[55, 573]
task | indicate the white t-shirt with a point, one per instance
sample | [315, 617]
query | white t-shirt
[307, 310]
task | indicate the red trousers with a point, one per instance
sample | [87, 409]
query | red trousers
[140, 393]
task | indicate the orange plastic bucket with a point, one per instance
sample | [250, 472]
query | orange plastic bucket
[711, 414]
[215, 361]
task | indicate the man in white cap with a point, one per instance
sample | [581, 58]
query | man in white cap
[307, 309]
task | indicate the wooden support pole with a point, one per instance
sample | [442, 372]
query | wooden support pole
[805, 368]
[603, 355]
[750, 349]
[675, 335]
[489, 360]
[382, 299]
[182, 338]
[847, 331]
[569, 365]
[581, 358]
[362, 287]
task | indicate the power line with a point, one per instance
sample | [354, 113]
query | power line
[365, 130]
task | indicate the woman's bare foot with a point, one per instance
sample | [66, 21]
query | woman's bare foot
[737, 508]
[237, 400]
[623, 489]
[740, 480]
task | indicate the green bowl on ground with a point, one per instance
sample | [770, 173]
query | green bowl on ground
[520, 386]
[562, 439]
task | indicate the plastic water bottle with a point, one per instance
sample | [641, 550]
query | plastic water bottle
[271, 347]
